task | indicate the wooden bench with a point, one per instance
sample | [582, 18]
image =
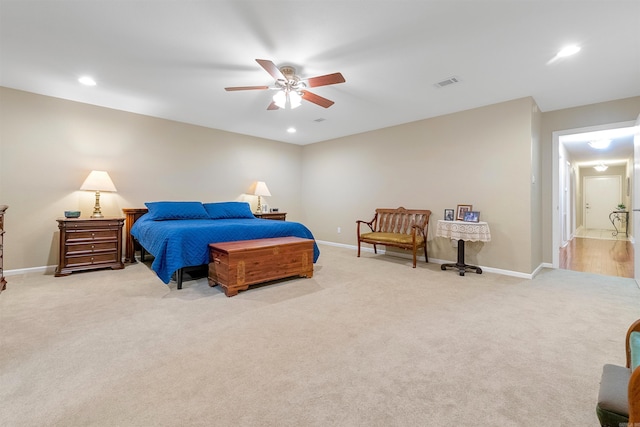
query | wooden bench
[236, 265]
[400, 228]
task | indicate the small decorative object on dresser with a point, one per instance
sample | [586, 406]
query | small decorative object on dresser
[89, 244]
[279, 216]
[3, 282]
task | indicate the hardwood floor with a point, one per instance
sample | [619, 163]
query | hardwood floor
[610, 257]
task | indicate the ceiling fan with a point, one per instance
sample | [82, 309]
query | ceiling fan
[291, 88]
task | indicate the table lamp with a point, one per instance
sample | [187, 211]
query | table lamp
[261, 190]
[98, 181]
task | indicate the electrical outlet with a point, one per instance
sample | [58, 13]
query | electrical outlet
[339, 230]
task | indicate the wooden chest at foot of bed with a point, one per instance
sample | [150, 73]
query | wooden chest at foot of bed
[236, 265]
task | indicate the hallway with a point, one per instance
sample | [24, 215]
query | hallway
[597, 251]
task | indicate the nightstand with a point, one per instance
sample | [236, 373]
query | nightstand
[278, 216]
[89, 244]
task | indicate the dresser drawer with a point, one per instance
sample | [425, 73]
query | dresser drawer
[84, 235]
[90, 260]
[93, 247]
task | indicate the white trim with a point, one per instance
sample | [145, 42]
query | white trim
[556, 231]
[50, 269]
[440, 261]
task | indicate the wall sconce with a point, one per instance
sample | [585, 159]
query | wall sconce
[601, 167]
[98, 181]
[261, 190]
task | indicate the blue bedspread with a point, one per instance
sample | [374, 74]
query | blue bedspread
[185, 243]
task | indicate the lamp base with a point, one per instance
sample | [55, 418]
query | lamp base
[96, 209]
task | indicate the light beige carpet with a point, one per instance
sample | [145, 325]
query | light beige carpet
[366, 342]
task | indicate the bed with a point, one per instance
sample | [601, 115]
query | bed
[178, 234]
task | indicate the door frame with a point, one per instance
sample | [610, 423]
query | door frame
[556, 209]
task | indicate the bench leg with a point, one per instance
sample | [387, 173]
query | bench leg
[358, 248]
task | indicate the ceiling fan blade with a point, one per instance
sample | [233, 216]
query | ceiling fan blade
[329, 79]
[230, 89]
[271, 68]
[273, 106]
[317, 99]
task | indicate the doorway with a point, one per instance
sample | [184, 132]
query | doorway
[574, 159]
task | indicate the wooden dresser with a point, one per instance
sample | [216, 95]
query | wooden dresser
[89, 244]
[3, 282]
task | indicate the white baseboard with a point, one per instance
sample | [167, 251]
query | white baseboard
[440, 261]
[50, 269]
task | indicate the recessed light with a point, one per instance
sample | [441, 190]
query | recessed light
[291, 130]
[568, 51]
[600, 144]
[87, 81]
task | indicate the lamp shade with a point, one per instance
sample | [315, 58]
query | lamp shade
[98, 181]
[261, 189]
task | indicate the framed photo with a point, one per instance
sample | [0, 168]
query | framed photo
[448, 214]
[462, 209]
[472, 216]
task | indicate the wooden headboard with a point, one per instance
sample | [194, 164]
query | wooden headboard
[131, 216]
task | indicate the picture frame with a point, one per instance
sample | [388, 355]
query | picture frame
[461, 210]
[472, 216]
[449, 214]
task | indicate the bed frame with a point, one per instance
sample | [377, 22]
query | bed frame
[131, 245]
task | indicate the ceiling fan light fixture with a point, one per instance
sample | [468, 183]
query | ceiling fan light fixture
[294, 99]
[280, 99]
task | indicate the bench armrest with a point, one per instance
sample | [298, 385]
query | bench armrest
[369, 224]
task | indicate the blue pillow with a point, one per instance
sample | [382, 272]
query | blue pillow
[226, 210]
[176, 210]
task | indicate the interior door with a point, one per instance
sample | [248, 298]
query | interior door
[635, 201]
[601, 196]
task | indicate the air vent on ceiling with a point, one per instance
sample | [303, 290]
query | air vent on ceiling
[320, 120]
[448, 82]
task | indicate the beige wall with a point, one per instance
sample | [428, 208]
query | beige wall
[486, 157]
[48, 146]
[481, 157]
[604, 113]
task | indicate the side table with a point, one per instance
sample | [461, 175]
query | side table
[623, 219]
[463, 231]
[89, 244]
[278, 216]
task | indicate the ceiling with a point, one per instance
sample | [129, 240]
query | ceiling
[619, 152]
[173, 59]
